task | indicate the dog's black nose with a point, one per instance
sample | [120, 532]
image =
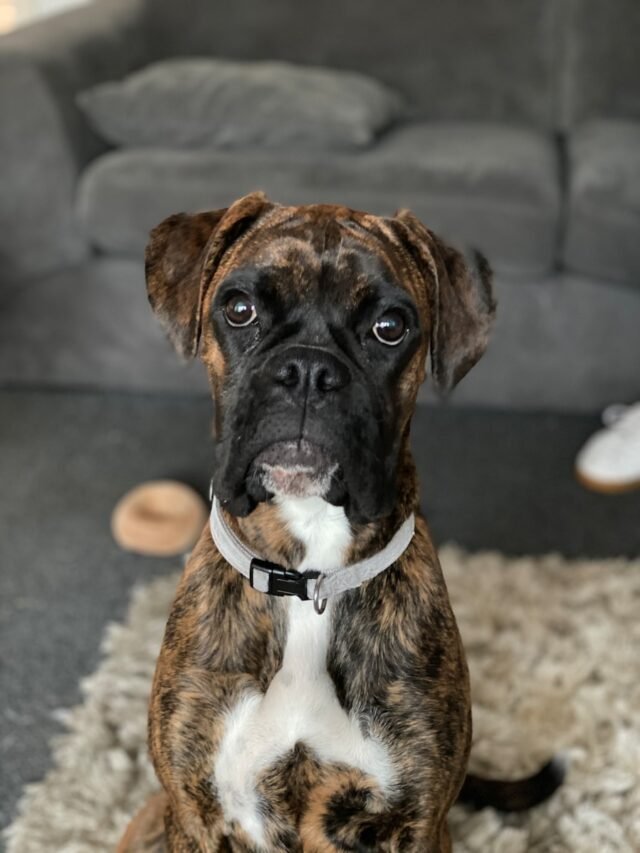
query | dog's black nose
[310, 369]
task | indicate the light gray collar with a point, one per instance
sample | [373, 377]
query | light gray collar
[310, 585]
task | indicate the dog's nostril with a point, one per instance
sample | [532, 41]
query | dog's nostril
[323, 380]
[330, 377]
[288, 375]
[326, 380]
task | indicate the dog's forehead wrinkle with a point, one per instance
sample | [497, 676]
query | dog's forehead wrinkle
[282, 251]
[319, 253]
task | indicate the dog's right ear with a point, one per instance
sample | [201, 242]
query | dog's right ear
[181, 258]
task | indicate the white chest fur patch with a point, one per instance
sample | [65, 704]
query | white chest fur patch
[300, 704]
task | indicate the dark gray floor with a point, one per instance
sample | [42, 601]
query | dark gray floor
[490, 479]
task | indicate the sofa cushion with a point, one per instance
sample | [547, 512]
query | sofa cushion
[603, 227]
[215, 103]
[490, 186]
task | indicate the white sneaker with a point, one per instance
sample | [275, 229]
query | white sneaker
[610, 460]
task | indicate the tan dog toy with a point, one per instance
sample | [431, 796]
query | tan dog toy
[160, 518]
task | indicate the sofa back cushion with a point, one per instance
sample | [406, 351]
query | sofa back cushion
[601, 61]
[488, 186]
[459, 59]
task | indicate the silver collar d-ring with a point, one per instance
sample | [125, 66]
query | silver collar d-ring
[319, 604]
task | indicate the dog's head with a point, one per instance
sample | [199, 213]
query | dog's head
[314, 324]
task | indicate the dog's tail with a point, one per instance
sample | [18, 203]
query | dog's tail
[517, 795]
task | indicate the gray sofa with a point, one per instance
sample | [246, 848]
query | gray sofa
[523, 139]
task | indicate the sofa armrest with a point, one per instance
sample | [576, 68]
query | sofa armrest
[44, 140]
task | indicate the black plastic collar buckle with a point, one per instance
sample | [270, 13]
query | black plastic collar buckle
[276, 580]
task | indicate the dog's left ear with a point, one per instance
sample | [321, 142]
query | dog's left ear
[181, 258]
[460, 297]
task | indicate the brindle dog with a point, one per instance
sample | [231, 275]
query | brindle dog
[272, 728]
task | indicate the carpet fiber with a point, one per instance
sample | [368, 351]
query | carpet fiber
[553, 652]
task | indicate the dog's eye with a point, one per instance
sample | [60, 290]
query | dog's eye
[390, 329]
[239, 310]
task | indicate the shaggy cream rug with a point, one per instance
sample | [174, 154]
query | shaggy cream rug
[554, 653]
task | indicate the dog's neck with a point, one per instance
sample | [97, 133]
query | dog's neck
[295, 531]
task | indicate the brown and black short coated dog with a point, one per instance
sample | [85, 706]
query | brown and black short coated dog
[273, 728]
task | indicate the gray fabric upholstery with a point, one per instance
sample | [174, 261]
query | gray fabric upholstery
[599, 70]
[561, 342]
[493, 187]
[211, 103]
[90, 326]
[603, 230]
[44, 142]
[36, 222]
[549, 63]
[486, 59]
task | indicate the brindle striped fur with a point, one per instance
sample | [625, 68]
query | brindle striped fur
[395, 655]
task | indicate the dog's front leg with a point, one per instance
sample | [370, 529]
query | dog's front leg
[220, 644]
[185, 729]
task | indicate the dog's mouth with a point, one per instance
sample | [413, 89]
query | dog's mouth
[295, 469]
